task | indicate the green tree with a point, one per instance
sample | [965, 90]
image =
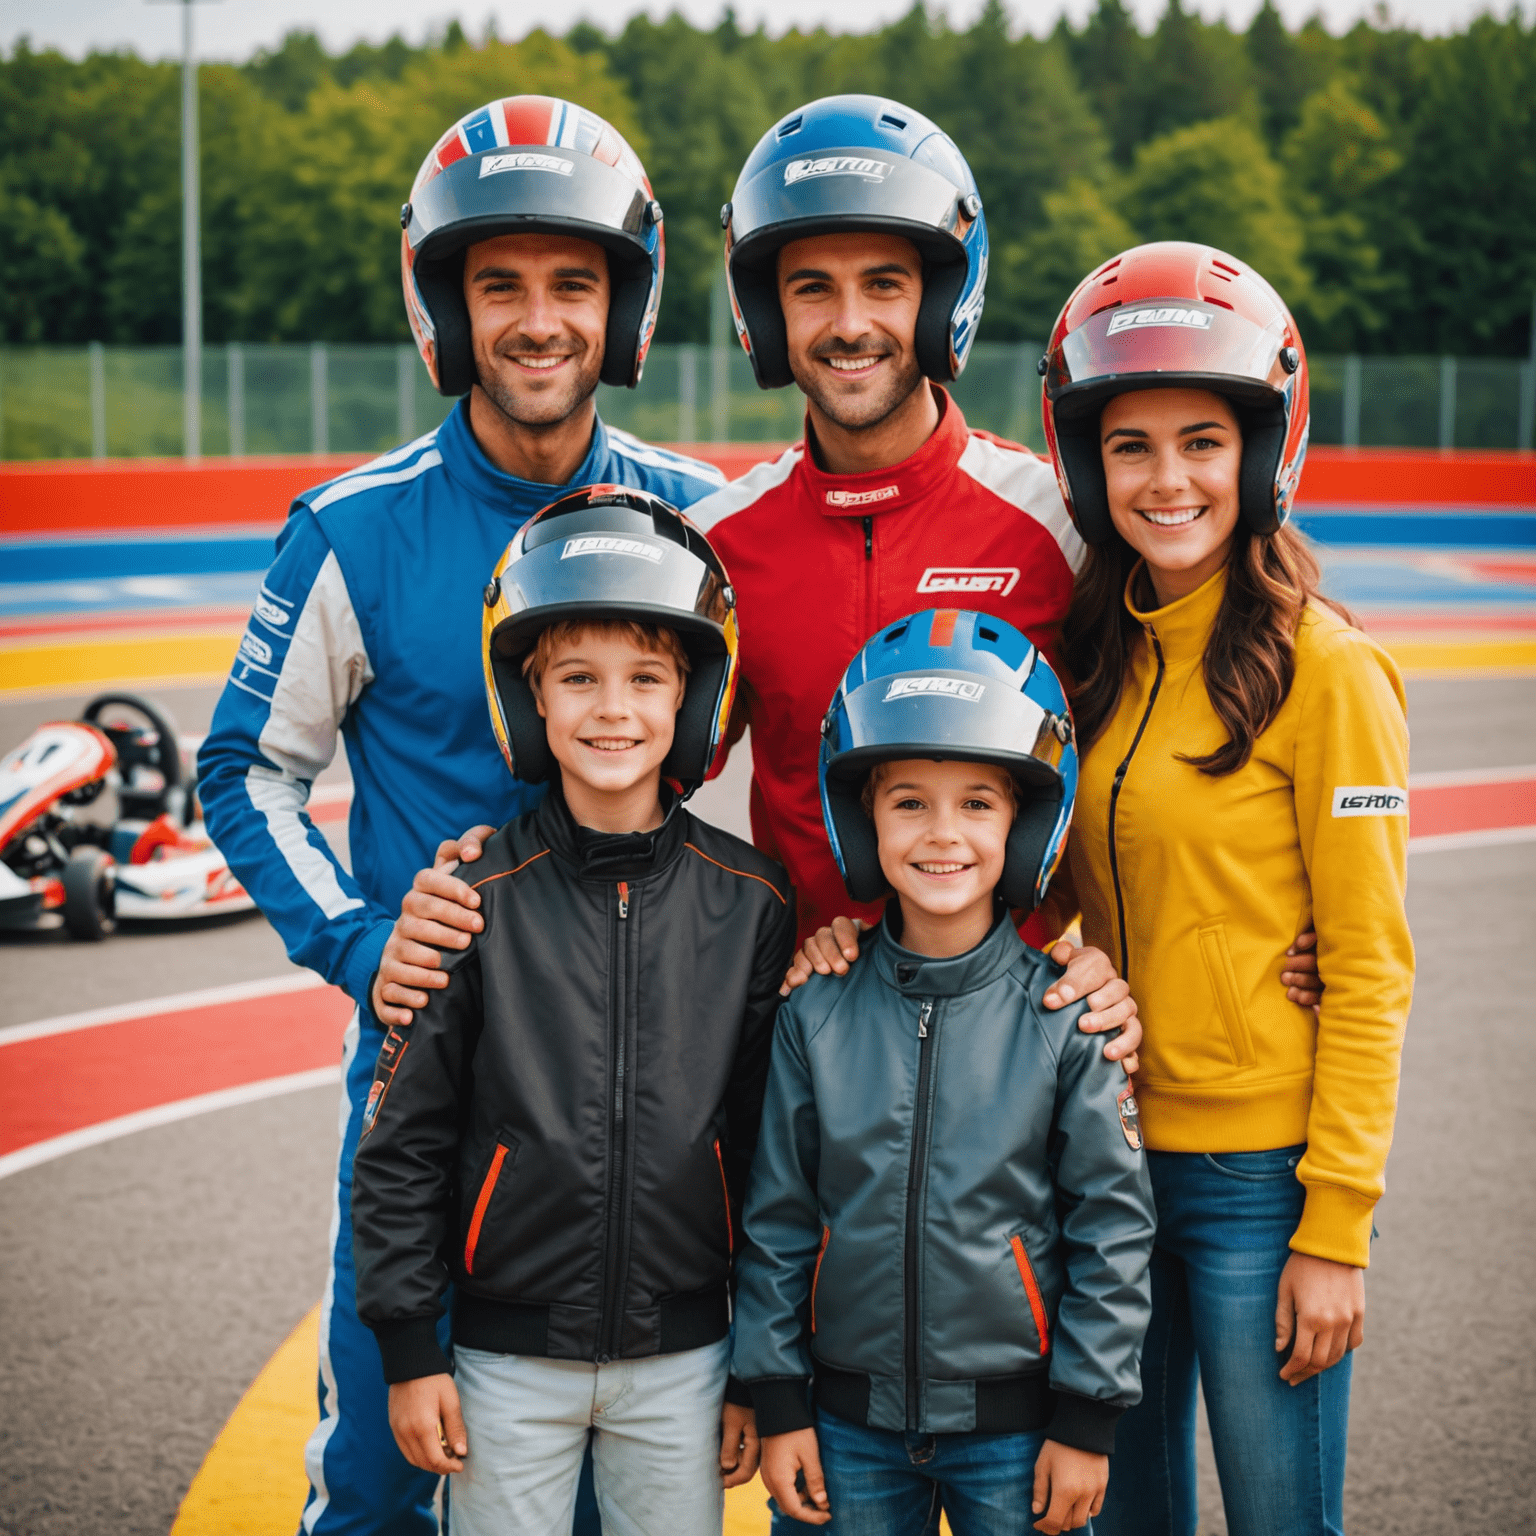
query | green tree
[1111, 59]
[1215, 182]
[1336, 159]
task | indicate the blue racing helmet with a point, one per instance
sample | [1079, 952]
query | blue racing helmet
[849, 163]
[941, 684]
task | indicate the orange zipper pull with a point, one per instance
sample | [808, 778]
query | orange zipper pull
[623, 898]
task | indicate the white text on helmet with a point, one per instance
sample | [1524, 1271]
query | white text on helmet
[945, 687]
[1370, 800]
[862, 498]
[835, 165]
[521, 160]
[1136, 319]
[1001, 579]
[606, 544]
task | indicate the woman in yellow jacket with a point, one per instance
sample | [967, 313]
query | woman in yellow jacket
[1244, 756]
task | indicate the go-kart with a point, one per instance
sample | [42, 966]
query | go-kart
[99, 821]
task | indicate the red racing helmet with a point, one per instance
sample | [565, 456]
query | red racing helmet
[529, 165]
[1175, 315]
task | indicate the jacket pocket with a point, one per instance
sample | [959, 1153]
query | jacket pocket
[504, 1149]
[1222, 975]
[1032, 1291]
[725, 1190]
[821, 1253]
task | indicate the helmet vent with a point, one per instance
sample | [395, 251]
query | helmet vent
[1209, 299]
[892, 636]
[987, 634]
[888, 121]
[1221, 266]
[790, 126]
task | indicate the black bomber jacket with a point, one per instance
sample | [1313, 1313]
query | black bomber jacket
[564, 1131]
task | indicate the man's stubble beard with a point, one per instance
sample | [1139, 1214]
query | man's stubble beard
[858, 413]
[542, 411]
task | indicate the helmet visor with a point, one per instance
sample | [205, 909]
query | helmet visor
[946, 714]
[1183, 340]
[532, 190]
[857, 188]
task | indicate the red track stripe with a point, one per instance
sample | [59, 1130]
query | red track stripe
[61, 1083]
[1437, 809]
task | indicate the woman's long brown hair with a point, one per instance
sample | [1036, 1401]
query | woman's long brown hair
[1250, 660]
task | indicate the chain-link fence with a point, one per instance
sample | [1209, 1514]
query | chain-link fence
[108, 402]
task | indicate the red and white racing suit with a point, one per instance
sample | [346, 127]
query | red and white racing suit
[821, 562]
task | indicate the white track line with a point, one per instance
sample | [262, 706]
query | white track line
[1455, 778]
[163, 1114]
[237, 992]
[1490, 837]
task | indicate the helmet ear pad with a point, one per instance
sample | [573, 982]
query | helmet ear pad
[1028, 840]
[943, 283]
[1263, 426]
[441, 284]
[756, 284]
[689, 759]
[532, 761]
[1024, 854]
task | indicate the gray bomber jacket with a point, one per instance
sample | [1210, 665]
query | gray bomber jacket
[949, 1218]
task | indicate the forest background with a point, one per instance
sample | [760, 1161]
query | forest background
[1383, 180]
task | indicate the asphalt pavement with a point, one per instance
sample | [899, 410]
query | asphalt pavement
[144, 1282]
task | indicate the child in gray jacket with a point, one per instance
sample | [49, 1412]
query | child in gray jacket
[944, 1288]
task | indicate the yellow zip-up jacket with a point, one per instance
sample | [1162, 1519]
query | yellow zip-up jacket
[1197, 885]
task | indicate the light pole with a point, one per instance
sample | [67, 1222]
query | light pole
[191, 250]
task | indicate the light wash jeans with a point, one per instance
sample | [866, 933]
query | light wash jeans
[655, 1451]
[1224, 1221]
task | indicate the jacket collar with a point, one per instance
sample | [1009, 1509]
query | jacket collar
[467, 463]
[1184, 627]
[923, 976]
[884, 490]
[612, 855]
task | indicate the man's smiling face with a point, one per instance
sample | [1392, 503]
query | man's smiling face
[850, 316]
[538, 313]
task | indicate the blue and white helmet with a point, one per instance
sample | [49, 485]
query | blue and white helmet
[945, 684]
[857, 163]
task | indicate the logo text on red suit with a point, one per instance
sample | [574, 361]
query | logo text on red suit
[1001, 579]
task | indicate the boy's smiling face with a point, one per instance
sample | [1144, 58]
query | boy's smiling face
[610, 710]
[943, 831]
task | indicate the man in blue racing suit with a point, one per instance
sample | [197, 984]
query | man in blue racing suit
[368, 623]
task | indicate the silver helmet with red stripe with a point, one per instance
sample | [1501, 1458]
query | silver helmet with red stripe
[529, 165]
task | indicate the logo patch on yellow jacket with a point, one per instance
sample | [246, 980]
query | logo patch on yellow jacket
[1370, 800]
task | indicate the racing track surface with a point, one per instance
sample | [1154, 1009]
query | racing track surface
[145, 1281]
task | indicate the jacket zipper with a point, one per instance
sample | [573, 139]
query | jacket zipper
[1032, 1290]
[610, 1324]
[821, 1253]
[916, 1171]
[869, 538]
[477, 1220]
[1114, 804]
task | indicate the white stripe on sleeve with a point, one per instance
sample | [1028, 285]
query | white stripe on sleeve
[280, 798]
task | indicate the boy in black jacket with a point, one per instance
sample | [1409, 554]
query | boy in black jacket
[564, 1131]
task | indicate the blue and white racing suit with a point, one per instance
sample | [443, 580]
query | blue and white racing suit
[368, 623]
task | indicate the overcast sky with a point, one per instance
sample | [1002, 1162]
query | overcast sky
[234, 29]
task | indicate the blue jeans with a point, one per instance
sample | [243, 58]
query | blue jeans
[1223, 1224]
[883, 1483]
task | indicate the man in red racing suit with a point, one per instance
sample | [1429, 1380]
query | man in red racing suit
[821, 561]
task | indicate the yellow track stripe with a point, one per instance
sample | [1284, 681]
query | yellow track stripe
[252, 1481]
[143, 658]
[1462, 656]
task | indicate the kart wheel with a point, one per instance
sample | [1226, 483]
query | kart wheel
[90, 894]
